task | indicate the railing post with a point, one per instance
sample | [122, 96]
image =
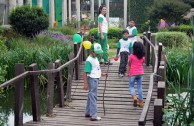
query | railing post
[69, 79]
[59, 81]
[144, 42]
[157, 112]
[34, 88]
[76, 62]
[84, 54]
[159, 53]
[50, 90]
[19, 96]
[148, 49]
[161, 73]
[161, 91]
[153, 56]
[147, 52]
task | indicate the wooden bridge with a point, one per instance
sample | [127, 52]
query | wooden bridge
[115, 104]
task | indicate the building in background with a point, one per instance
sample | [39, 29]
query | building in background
[116, 9]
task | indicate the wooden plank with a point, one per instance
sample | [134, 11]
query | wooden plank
[118, 103]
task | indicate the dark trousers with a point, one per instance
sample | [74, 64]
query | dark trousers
[123, 62]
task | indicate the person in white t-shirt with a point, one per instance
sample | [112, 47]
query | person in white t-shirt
[124, 49]
[102, 34]
[92, 73]
[132, 31]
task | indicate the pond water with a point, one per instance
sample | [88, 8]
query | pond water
[7, 107]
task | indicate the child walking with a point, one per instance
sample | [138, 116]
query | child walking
[135, 68]
[92, 73]
[124, 48]
[132, 31]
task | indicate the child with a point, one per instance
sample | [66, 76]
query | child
[132, 31]
[92, 73]
[123, 48]
[135, 68]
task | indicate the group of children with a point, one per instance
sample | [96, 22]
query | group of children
[129, 50]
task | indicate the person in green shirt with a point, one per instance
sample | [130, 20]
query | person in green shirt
[102, 34]
[92, 73]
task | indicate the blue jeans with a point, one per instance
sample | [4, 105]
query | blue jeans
[132, 80]
[91, 107]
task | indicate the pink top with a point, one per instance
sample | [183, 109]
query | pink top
[136, 65]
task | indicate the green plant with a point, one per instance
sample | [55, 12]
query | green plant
[3, 47]
[149, 25]
[169, 10]
[178, 65]
[182, 28]
[113, 32]
[40, 50]
[28, 20]
[113, 43]
[172, 39]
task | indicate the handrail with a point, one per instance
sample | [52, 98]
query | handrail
[148, 97]
[27, 73]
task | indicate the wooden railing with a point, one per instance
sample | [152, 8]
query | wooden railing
[158, 64]
[54, 73]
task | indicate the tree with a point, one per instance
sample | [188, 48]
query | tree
[170, 10]
[28, 21]
[191, 2]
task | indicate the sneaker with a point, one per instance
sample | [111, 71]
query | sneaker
[135, 101]
[101, 62]
[108, 63]
[121, 75]
[95, 119]
[87, 115]
[140, 103]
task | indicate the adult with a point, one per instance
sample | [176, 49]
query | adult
[102, 35]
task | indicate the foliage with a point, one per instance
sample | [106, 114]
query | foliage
[41, 50]
[179, 73]
[136, 10]
[56, 35]
[3, 74]
[28, 20]
[172, 39]
[67, 30]
[113, 43]
[182, 28]
[94, 32]
[177, 65]
[113, 32]
[170, 10]
[3, 47]
[149, 25]
[191, 2]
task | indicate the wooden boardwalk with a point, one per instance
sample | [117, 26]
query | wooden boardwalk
[118, 103]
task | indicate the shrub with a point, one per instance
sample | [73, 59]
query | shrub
[172, 39]
[113, 32]
[94, 32]
[182, 28]
[28, 20]
[113, 43]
